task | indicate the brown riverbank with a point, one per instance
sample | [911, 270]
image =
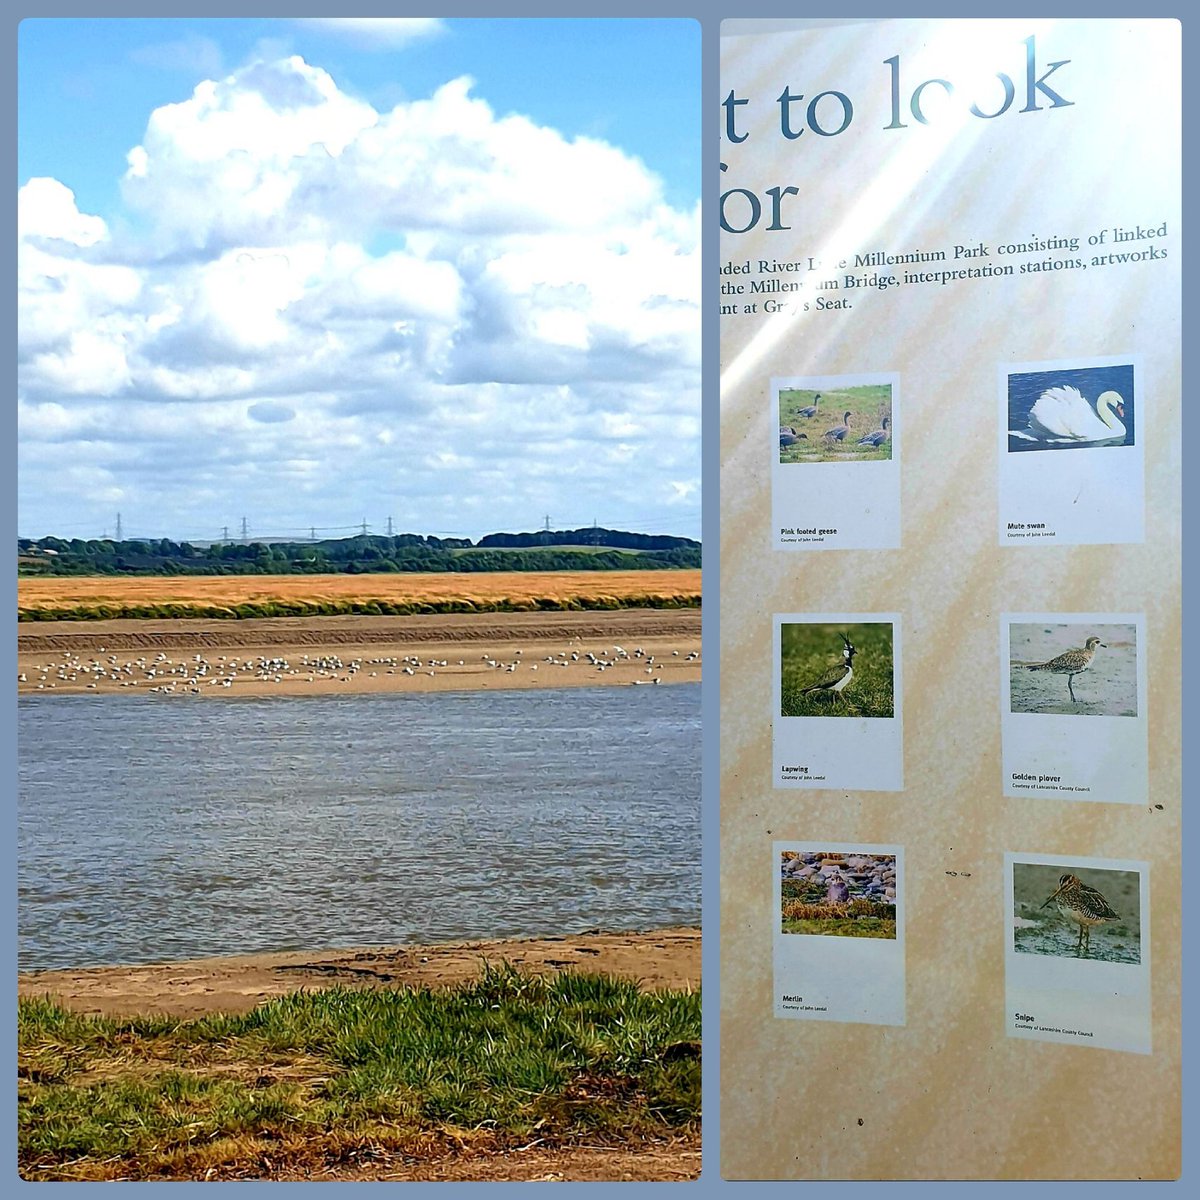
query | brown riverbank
[661, 958]
[658, 959]
[360, 654]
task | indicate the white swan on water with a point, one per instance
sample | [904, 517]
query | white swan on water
[1062, 416]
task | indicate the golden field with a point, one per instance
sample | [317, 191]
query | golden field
[483, 587]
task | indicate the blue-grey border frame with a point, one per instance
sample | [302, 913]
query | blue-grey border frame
[709, 14]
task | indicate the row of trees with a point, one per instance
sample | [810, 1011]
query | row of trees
[544, 551]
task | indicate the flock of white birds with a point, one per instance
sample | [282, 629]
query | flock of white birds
[196, 675]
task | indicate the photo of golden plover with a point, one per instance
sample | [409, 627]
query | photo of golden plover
[1097, 663]
[1077, 912]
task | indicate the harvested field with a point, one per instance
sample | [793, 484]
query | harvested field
[240, 589]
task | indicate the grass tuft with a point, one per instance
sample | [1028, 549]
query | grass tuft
[498, 1059]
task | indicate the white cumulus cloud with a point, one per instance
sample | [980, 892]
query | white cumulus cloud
[385, 33]
[468, 317]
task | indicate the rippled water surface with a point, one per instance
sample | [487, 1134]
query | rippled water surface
[153, 830]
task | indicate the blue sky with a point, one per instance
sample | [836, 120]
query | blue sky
[309, 244]
[86, 86]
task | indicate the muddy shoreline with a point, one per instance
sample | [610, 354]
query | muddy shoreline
[353, 655]
[658, 959]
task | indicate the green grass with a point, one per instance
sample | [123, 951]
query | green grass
[854, 918]
[326, 608]
[864, 927]
[809, 650]
[867, 405]
[313, 1077]
[459, 551]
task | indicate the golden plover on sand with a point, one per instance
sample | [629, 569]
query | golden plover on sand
[1070, 663]
[1082, 904]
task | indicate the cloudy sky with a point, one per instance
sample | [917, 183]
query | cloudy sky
[317, 272]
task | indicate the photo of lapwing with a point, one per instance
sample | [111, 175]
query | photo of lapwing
[1106, 655]
[848, 424]
[1077, 912]
[836, 670]
[837, 678]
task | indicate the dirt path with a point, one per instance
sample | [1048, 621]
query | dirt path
[673, 1160]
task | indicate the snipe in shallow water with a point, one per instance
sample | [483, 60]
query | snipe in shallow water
[1082, 904]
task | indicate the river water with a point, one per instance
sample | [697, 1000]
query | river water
[154, 830]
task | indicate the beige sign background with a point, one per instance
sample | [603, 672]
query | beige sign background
[947, 1095]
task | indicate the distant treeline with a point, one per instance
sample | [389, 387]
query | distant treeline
[589, 549]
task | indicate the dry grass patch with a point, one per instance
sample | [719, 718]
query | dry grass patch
[320, 1079]
[229, 590]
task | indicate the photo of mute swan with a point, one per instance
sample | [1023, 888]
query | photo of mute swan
[1072, 409]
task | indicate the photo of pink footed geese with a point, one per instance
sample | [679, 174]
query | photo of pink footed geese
[1062, 416]
[1071, 662]
[838, 432]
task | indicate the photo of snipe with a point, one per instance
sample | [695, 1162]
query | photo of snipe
[1077, 912]
[1073, 670]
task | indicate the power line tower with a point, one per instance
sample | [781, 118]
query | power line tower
[389, 527]
[546, 523]
[312, 533]
[224, 533]
[364, 527]
[120, 537]
[245, 531]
